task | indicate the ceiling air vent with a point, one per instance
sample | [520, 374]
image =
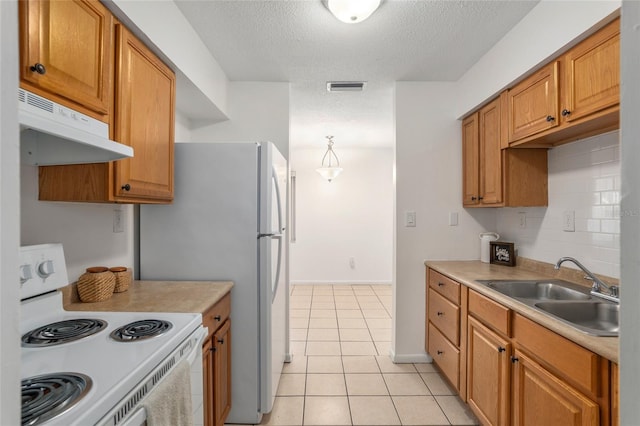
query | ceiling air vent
[345, 86]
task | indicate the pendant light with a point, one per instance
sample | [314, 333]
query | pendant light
[329, 171]
[352, 11]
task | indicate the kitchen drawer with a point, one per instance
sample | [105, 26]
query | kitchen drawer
[490, 312]
[217, 314]
[445, 316]
[445, 355]
[445, 286]
[570, 361]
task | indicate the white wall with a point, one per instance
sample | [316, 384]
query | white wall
[630, 215]
[428, 154]
[350, 217]
[584, 177]
[257, 112]
[548, 28]
[84, 229]
[202, 84]
[9, 217]
[429, 182]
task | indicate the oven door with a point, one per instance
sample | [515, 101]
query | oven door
[131, 411]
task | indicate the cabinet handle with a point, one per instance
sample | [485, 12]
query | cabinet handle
[440, 284]
[565, 112]
[550, 118]
[440, 314]
[514, 359]
[217, 318]
[221, 341]
[473, 198]
[501, 349]
[39, 68]
[126, 187]
[480, 198]
[440, 352]
[212, 349]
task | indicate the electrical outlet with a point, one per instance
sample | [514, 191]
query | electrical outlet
[118, 225]
[569, 221]
[522, 216]
[453, 219]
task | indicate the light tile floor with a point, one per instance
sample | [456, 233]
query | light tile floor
[341, 373]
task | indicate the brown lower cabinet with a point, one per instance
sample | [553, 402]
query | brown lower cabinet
[513, 371]
[216, 363]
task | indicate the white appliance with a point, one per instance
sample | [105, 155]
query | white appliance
[51, 133]
[227, 222]
[109, 379]
[485, 245]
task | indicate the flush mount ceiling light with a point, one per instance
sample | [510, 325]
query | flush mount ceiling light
[352, 11]
[329, 171]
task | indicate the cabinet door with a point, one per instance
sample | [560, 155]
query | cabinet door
[490, 154]
[66, 49]
[222, 372]
[470, 161]
[488, 374]
[533, 103]
[144, 119]
[540, 398]
[207, 382]
[592, 74]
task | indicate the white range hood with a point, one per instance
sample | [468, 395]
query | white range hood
[52, 134]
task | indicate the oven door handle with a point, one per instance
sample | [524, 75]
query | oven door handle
[204, 332]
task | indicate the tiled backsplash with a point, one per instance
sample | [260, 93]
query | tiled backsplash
[584, 177]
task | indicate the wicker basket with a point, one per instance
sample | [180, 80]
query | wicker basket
[123, 278]
[96, 284]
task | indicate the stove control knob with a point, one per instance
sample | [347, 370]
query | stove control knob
[25, 273]
[45, 268]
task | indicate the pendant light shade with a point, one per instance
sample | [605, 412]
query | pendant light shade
[329, 171]
[352, 11]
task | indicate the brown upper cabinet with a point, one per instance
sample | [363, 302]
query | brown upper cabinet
[575, 96]
[497, 177]
[144, 119]
[533, 104]
[141, 113]
[592, 74]
[66, 50]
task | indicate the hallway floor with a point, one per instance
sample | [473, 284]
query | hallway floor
[341, 373]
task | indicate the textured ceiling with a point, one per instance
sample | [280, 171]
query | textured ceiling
[301, 42]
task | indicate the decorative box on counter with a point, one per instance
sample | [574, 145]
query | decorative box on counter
[502, 253]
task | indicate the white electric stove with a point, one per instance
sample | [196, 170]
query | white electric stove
[107, 371]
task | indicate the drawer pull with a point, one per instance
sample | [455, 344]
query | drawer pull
[221, 341]
[217, 318]
[440, 352]
[440, 314]
[440, 283]
[514, 359]
[501, 349]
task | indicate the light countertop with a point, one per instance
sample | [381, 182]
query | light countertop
[466, 272]
[155, 296]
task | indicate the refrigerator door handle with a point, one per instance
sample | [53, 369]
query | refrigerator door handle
[275, 288]
[274, 176]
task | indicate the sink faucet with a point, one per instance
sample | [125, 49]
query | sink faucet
[598, 284]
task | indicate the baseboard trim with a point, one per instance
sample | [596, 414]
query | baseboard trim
[350, 282]
[409, 358]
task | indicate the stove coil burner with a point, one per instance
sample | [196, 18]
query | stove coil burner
[63, 332]
[140, 330]
[49, 395]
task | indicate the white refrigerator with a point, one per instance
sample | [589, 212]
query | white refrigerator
[227, 222]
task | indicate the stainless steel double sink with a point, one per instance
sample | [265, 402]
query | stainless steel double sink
[567, 302]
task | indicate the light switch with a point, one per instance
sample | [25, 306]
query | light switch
[410, 219]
